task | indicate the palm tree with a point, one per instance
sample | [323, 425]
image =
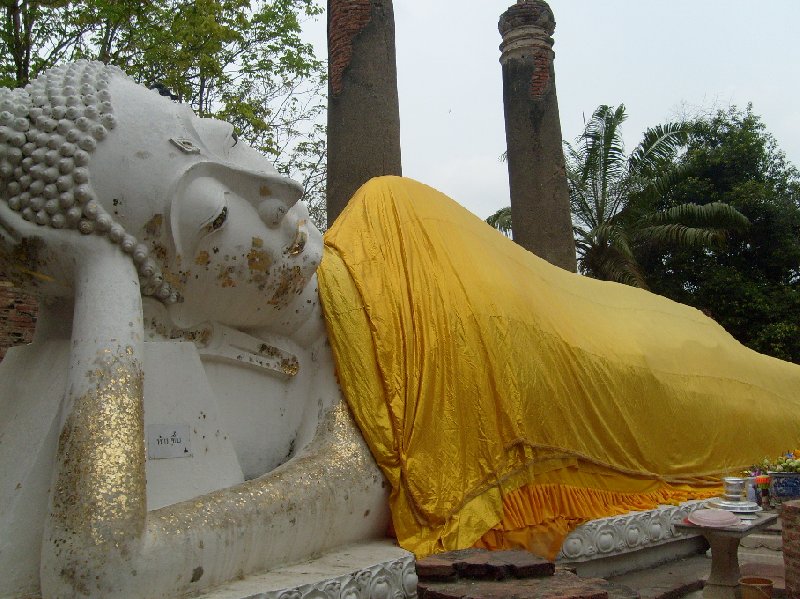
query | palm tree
[501, 220]
[613, 199]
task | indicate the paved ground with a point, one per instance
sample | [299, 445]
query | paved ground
[477, 574]
[480, 574]
[669, 581]
[759, 555]
[685, 578]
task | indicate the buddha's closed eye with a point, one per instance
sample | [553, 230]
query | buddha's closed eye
[218, 221]
[202, 210]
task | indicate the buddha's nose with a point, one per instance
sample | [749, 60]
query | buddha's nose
[272, 210]
[276, 197]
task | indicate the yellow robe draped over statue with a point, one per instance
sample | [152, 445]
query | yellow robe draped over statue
[507, 400]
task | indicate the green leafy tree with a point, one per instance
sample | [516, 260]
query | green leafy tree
[238, 60]
[614, 198]
[752, 287]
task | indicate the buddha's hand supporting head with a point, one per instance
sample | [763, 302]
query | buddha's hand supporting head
[90, 161]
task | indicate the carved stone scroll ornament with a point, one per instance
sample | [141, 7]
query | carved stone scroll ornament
[618, 535]
[391, 580]
[375, 571]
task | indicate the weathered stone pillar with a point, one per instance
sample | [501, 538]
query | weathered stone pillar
[540, 211]
[363, 110]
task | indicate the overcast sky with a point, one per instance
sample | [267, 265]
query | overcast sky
[660, 58]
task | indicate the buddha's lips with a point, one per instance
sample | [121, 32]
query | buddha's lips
[300, 239]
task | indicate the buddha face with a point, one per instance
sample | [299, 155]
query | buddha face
[213, 230]
[224, 226]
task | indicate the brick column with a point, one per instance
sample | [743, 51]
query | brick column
[790, 517]
[363, 109]
[540, 213]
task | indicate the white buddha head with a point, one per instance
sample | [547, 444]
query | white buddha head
[215, 232]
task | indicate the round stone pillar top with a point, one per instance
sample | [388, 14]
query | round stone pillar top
[527, 13]
[527, 28]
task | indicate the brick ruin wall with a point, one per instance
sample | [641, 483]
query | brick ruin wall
[17, 316]
[790, 516]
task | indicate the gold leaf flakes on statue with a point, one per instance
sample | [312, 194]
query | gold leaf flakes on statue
[153, 226]
[103, 492]
[258, 260]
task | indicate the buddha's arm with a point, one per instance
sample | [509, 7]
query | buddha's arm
[97, 500]
[330, 495]
[100, 541]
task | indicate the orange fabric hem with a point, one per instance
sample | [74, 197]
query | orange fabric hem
[539, 517]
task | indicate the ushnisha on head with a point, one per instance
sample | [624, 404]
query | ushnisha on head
[48, 132]
[214, 231]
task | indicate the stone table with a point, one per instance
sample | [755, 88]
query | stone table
[723, 582]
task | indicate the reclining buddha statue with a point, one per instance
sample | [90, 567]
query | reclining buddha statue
[213, 391]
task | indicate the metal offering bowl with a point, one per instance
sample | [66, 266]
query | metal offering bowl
[734, 487]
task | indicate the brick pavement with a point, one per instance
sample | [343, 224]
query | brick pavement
[482, 574]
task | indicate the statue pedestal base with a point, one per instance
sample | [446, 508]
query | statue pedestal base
[370, 569]
[633, 541]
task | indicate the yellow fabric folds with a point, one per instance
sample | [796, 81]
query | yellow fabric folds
[507, 400]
